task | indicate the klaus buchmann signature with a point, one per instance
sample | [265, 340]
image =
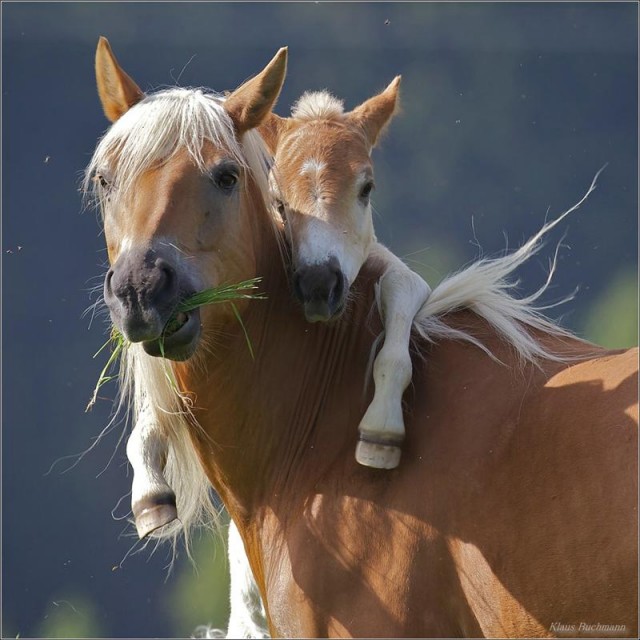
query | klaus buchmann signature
[582, 628]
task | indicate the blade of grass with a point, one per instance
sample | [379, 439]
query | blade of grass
[117, 342]
[224, 293]
[244, 329]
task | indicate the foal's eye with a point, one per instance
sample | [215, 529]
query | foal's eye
[366, 190]
[280, 207]
[226, 180]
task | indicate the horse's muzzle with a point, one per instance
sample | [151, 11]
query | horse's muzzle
[179, 344]
[143, 290]
[322, 290]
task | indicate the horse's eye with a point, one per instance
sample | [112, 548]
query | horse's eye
[226, 180]
[366, 190]
[280, 207]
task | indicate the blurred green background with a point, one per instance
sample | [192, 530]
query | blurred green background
[508, 112]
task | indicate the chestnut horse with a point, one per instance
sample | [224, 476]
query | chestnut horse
[513, 512]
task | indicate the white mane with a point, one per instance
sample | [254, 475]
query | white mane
[314, 105]
[158, 126]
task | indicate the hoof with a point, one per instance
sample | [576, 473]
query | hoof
[377, 455]
[151, 515]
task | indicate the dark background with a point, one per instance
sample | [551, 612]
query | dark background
[508, 111]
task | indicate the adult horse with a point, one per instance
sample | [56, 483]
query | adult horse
[513, 512]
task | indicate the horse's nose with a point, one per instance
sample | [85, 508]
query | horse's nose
[320, 288]
[141, 290]
[156, 283]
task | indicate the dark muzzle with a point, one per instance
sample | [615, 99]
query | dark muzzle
[321, 289]
[142, 291]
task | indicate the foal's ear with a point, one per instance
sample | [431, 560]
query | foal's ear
[271, 129]
[374, 114]
[250, 104]
[117, 91]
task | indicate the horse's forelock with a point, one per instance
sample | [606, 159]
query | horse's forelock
[164, 123]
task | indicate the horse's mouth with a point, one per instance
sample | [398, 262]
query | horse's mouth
[179, 338]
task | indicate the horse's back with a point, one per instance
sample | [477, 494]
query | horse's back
[540, 468]
[606, 384]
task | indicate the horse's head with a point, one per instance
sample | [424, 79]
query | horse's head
[178, 176]
[322, 183]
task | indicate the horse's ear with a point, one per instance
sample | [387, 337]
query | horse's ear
[271, 129]
[374, 114]
[117, 91]
[250, 104]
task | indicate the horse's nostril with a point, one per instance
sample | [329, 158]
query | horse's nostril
[167, 280]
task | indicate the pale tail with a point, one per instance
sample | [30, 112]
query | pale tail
[485, 287]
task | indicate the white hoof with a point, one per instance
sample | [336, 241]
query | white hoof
[378, 456]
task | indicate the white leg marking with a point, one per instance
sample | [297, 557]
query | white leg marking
[152, 499]
[402, 294]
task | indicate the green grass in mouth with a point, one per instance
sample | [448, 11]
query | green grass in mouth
[225, 293]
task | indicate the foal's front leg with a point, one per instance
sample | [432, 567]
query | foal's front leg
[402, 294]
[153, 502]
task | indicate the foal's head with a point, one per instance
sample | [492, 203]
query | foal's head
[179, 176]
[322, 183]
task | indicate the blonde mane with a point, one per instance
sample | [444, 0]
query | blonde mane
[164, 122]
[174, 119]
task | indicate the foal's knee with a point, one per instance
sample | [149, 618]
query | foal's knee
[392, 367]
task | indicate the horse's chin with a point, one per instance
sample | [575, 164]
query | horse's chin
[180, 344]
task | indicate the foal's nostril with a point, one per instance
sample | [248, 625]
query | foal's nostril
[297, 286]
[337, 291]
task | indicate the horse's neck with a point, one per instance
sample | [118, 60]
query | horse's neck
[262, 413]
[283, 420]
